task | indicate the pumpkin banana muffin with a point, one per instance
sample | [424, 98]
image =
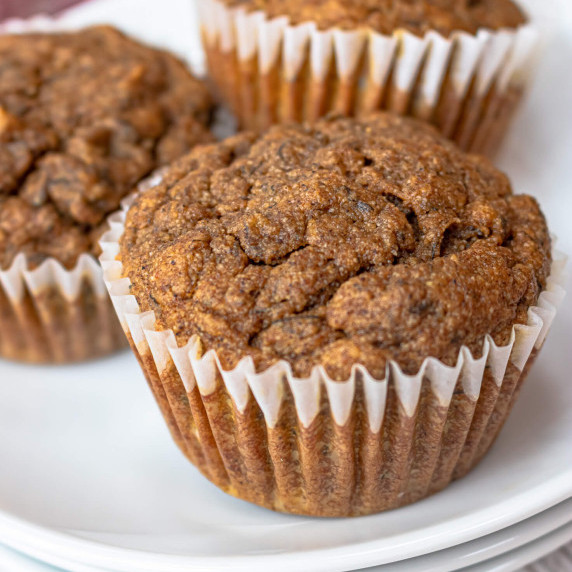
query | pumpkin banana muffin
[461, 65]
[301, 279]
[84, 117]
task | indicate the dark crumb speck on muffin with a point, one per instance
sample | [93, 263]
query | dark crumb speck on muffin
[83, 118]
[355, 241]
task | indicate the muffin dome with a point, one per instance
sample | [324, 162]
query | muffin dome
[385, 16]
[83, 118]
[354, 241]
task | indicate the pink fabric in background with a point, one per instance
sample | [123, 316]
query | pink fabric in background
[25, 8]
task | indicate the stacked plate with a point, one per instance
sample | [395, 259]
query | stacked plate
[90, 480]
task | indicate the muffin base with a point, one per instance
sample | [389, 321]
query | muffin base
[47, 329]
[62, 317]
[327, 470]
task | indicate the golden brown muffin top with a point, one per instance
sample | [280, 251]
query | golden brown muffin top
[355, 241]
[83, 118]
[386, 16]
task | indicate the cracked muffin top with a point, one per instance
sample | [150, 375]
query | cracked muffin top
[386, 16]
[83, 118]
[353, 241]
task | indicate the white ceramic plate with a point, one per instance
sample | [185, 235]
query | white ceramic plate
[12, 561]
[515, 560]
[507, 549]
[523, 542]
[511, 540]
[89, 472]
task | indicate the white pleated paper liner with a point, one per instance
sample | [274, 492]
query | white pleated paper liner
[271, 71]
[243, 427]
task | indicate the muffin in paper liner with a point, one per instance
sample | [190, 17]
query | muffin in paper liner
[50, 314]
[270, 71]
[321, 447]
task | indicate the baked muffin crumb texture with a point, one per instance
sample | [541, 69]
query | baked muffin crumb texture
[386, 16]
[83, 118]
[355, 241]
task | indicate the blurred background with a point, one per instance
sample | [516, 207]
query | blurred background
[23, 8]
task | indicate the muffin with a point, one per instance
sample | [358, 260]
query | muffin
[84, 117]
[461, 65]
[335, 320]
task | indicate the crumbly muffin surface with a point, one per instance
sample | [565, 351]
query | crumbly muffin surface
[385, 16]
[355, 241]
[83, 118]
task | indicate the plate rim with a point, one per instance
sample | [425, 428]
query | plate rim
[334, 559]
[518, 556]
[527, 554]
